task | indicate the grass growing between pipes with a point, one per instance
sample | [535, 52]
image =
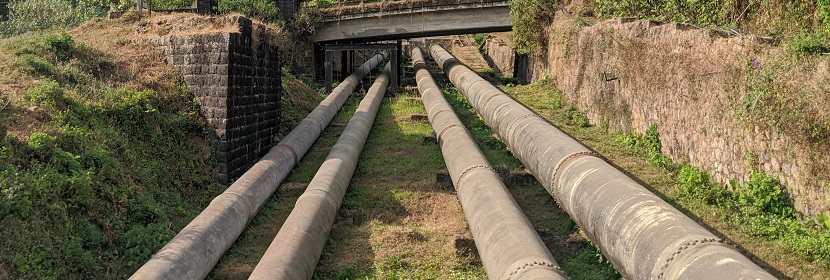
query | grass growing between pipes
[396, 222]
[783, 248]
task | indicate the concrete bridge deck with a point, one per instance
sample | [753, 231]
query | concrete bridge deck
[417, 22]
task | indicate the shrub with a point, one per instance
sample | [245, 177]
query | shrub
[34, 262]
[764, 193]
[692, 181]
[808, 43]
[46, 92]
[140, 242]
[528, 16]
[41, 143]
[261, 9]
[171, 4]
[824, 13]
[33, 15]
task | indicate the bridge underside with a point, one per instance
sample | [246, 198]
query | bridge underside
[435, 22]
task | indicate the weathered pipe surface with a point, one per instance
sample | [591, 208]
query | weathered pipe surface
[642, 235]
[508, 244]
[193, 252]
[297, 247]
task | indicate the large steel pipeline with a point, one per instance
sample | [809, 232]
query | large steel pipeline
[507, 242]
[193, 252]
[298, 245]
[643, 236]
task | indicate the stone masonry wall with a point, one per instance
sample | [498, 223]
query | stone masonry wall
[236, 80]
[628, 75]
[500, 55]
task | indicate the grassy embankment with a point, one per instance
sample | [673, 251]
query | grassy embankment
[103, 153]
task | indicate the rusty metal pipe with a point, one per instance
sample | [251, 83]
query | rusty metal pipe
[507, 242]
[193, 252]
[298, 245]
[643, 236]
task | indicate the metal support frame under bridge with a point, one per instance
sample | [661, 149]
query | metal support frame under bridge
[394, 49]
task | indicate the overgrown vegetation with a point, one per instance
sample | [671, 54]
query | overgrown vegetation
[260, 9]
[772, 101]
[529, 16]
[96, 173]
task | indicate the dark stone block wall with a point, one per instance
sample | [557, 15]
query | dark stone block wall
[236, 80]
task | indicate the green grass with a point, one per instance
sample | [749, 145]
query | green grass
[395, 221]
[96, 174]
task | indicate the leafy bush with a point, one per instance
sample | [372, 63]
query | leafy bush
[140, 242]
[823, 12]
[528, 17]
[46, 92]
[651, 140]
[808, 43]
[765, 193]
[35, 262]
[33, 15]
[692, 181]
[479, 38]
[172, 4]
[261, 9]
[305, 22]
[41, 143]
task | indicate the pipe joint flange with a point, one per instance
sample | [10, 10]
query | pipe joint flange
[687, 245]
[571, 157]
[527, 265]
[248, 208]
[487, 102]
[293, 153]
[334, 200]
[319, 123]
[441, 134]
[471, 168]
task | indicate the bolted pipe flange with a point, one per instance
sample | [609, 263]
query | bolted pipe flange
[471, 168]
[249, 210]
[331, 197]
[438, 136]
[530, 264]
[293, 153]
[687, 245]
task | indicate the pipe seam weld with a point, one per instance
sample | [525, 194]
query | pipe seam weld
[487, 102]
[336, 202]
[437, 103]
[248, 208]
[687, 245]
[533, 264]
[471, 168]
[319, 123]
[293, 153]
[568, 158]
[438, 137]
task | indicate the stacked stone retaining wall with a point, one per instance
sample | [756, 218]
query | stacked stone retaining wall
[235, 77]
[630, 74]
